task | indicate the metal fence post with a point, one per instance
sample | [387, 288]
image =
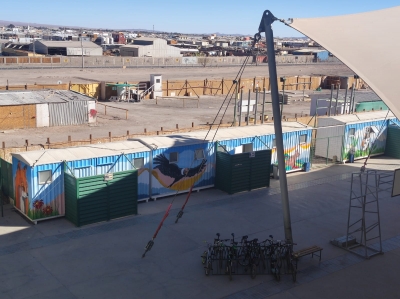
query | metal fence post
[240, 107]
[263, 108]
[255, 109]
[327, 152]
[248, 109]
[330, 101]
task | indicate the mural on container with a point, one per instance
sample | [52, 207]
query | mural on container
[21, 188]
[178, 171]
[361, 140]
[36, 199]
[296, 149]
[173, 177]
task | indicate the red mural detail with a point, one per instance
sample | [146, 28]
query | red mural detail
[21, 189]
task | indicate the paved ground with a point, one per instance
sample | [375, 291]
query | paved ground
[56, 260]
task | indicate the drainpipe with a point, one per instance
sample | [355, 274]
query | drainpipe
[150, 159]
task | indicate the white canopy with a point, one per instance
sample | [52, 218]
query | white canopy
[368, 43]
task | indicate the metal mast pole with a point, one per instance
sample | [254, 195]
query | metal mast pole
[83, 61]
[266, 26]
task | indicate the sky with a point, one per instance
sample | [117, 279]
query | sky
[206, 16]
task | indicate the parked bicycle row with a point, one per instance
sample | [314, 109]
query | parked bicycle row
[231, 257]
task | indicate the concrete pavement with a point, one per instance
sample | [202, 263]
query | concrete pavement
[54, 259]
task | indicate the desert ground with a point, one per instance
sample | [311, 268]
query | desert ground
[148, 114]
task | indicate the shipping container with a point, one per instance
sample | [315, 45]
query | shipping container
[180, 161]
[393, 141]
[362, 134]
[39, 175]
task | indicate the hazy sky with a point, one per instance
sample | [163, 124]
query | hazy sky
[204, 16]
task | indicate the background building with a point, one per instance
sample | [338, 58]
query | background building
[67, 48]
[150, 47]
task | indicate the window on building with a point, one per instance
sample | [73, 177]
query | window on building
[44, 177]
[199, 154]
[303, 138]
[352, 132]
[173, 157]
[247, 148]
[138, 163]
[158, 81]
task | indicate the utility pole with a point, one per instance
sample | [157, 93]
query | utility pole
[266, 26]
[83, 61]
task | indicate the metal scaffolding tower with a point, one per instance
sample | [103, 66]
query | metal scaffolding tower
[363, 222]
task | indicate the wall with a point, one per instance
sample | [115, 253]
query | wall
[113, 164]
[167, 178]
[118, 61]
[329, 142]
[17, 117]
[296, 154]
[363, 142]
[38, 201]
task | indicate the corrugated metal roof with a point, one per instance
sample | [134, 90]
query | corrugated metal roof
[197, 137]
[68, 44]
[149, 39]
[14, 98]
[133, 46]
[80, 152]
[365, 116]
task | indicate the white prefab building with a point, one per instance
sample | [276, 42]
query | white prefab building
[67, 48]
[150, 47]
[360, 134]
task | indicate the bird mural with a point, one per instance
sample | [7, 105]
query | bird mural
[173, 177]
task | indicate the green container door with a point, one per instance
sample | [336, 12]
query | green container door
[7, 186]
[92, 199]
[393, 142]
[243, 172]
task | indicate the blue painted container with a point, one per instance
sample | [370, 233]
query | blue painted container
[296, 142]
[178, 162]
[38, 176]
[39, 188]
[358, 134]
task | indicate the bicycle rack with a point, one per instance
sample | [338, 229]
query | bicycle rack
[219, 261]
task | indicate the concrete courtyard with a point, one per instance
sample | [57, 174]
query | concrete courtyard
[54, 259]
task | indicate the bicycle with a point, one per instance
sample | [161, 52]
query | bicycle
[287, 255]
[232, 253]
[206, 258]
[273, 252]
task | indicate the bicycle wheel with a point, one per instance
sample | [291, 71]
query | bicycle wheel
[204, 257]
[230, 270]
[208, 268]
[253, 271]
[243, 260]
[277, 273]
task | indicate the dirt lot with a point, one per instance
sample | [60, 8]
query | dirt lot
[51, 76]
[147, 114]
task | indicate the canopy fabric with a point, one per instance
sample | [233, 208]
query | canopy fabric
[368, 43]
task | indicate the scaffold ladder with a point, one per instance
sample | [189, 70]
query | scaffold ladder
[363, 218]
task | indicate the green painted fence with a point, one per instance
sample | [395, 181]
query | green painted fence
[7, 186]
[243, 172]
[92, 199]
[393, 142]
